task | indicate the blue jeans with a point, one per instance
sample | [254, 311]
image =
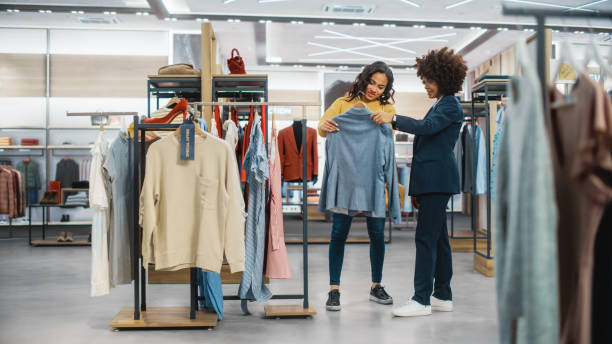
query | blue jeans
[434, 260]
[31, 195]
[340, 230]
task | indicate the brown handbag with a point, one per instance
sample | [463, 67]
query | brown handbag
[235, 63]
[179, 69]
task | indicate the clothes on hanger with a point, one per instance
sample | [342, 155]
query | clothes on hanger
[499, 119]
[526, 220]
[291, 156]
[67, 172]
[12, 195]
[99, 202]
[468, 160]
[360, 165]
[179, 233]
[121, 224]
[277, 262]
[31, 174]
[481, 162]
[84, 168]
[581, 140]
[252, 286]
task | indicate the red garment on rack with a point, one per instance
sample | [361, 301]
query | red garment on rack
[217, 120]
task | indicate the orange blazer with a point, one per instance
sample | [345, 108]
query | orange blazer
[291, 159]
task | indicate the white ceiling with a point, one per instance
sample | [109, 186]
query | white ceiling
[314, 44]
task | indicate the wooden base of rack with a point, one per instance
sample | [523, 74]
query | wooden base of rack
[325, 240]
[183, 276]
[59, 243]
[163, 317]
[288, 311]
[484, 265]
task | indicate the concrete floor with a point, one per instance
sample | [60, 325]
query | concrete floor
[44, 298]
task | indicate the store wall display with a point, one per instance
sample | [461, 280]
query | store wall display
[31, 172]
[291, 153]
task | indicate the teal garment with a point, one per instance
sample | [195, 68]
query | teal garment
[211, 289]
[30, 173]
[481, 162]
[500, 129]
[526, 265]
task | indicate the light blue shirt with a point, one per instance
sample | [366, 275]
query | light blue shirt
[481, 162]
[360, 161]
[252, 285]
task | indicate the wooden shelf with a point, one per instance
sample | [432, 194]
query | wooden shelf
[288, 311]
[39, 223]
[162, 317]
[174, 76]
[22, 127]
[58, 243]
[237, 76]
[69, 147]
[84, 128]
[22, 147]
[402, 143]
[484, 265]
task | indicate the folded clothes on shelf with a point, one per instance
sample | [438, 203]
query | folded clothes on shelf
[6, 141]
[29, 142]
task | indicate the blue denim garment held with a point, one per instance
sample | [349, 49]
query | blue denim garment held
[360, 161]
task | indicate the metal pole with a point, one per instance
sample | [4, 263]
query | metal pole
[30, 224]
[193, 293]
[541, 46]
[148, 98]
[136, 246]
[143, 273]
[473, 171]
[305, 206]
[488, 120]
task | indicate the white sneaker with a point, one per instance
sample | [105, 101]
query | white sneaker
[441, 305]
[412, 309]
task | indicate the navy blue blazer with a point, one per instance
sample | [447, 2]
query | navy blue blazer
[434, 167]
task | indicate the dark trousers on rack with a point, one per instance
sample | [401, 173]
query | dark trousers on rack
[31, 195]
[340, 230]
[434, 266]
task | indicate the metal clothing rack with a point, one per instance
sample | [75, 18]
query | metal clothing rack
[494, 90]
[540, 17]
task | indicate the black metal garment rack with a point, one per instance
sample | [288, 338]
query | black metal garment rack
[138, 168]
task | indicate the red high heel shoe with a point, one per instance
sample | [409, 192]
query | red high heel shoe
[181, 107]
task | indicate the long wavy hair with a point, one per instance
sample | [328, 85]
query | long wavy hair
[363, 80]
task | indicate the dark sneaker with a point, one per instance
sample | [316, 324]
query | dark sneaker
[333, 301]
[378, 294]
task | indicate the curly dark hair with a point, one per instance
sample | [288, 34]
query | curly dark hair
[363, 80]
[444, 67]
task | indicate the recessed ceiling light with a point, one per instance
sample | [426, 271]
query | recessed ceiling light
[320, 66]
[463, 2]
[167, 19]
[261, 21]
[448, 27]
[411, 3]
[225, 2]
[475, 28]
[145, 13]
[297, 66]
[174, 19]
[502, 29]
[113, 12]
[555, 31]
[389, 25]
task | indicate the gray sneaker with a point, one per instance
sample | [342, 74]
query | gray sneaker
[379, 295]
[333, 300]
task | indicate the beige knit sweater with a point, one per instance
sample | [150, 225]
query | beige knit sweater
[192, 212]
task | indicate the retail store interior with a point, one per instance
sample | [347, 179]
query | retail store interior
[76, 74]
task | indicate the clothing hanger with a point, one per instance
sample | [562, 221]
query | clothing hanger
[101, 127]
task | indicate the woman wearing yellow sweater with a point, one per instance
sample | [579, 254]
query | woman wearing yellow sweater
[374, 87]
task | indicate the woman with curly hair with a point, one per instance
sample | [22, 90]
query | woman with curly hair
[434, 178]
[374, 87]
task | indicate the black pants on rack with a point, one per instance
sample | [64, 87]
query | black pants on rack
[434, 265]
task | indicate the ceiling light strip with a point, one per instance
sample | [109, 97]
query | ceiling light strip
[341, 50]
[385, 45]
[458, 4]
[545, 4]
[586, 5]
[411, 3]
